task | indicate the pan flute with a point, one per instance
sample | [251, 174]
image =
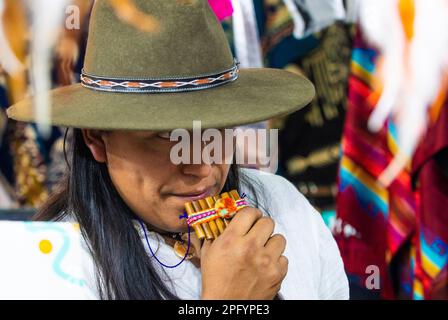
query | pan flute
[210, 216]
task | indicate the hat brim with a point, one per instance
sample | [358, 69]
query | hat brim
[257, 95]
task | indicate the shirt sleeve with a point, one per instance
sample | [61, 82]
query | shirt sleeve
[333, 283]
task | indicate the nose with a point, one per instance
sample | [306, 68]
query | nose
[199, 171]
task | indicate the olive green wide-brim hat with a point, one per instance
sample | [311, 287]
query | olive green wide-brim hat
[183, 70]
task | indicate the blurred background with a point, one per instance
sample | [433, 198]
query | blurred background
[370, 152]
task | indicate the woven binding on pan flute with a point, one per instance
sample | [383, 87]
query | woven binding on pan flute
[210, 216]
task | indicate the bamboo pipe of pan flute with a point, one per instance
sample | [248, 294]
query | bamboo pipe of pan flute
[234, 194]
[212, 229]
[212, 224]
[209, 235]
[210, 203]
[197, 228]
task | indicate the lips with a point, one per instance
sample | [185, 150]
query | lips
[195, 194]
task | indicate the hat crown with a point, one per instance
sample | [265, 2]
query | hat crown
[188, 42]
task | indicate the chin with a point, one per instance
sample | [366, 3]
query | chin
[177, 226]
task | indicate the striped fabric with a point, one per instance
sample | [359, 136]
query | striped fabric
[382, 226]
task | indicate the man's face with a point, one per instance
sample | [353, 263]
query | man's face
[153, 187]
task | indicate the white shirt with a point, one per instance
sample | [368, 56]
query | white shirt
[315, 269]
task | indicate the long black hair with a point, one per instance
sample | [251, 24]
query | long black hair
[124, 269]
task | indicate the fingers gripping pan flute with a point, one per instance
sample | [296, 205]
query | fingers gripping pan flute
[210, 216]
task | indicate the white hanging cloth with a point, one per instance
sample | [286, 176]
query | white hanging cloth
[352, 8]
[47, 17]
[245, 31]
[321, 14]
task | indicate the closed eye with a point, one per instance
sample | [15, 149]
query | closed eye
[164, 135]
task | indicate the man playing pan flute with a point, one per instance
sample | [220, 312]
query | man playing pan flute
[127, 194]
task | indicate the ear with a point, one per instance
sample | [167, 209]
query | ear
[94, 140]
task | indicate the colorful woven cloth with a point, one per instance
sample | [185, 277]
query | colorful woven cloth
[430, 173]
[400, 229]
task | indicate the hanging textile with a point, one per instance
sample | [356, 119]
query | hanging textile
[373, 222]
[33, 163]
[430, 177]
[310, 138]
[400, 228]
[391, 200]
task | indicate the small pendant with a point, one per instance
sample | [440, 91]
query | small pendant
[180, 249]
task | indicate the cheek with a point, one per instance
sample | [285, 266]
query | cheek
[138, 159]
[138, 174]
